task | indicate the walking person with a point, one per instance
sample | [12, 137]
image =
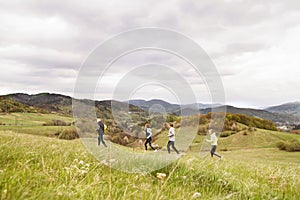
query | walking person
[100, 129]
[171, 136]
[214, 143]
[148, 137]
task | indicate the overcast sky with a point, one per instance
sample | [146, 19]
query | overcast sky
[255, 45]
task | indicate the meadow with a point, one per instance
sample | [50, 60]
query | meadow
[33, 166]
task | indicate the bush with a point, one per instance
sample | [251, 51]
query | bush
[292, 146]
[225, 134]
[68, 134]
[57, 122]
[224, 149]
[245, 133]
[280, 145]
[250, 129]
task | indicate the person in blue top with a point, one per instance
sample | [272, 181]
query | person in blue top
[148, 137]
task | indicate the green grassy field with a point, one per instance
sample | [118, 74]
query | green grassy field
[34, 167]
[33, 119]
[32, 123]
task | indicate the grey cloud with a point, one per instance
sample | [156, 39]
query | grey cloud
[50, 39]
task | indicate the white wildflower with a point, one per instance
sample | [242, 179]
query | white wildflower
[161, 175]
[196, 195]
[81, 162]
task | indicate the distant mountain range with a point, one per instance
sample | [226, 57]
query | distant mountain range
[288, 108]
[190, 109]
[57, 103]
[169, 108]
[46, 102]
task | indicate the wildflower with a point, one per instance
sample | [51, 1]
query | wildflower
[103, 162]
[196, 195]
[81, 162]
[161, 175]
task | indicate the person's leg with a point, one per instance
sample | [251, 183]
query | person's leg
[146, 144]
[102, 140]
[173, 146]
[168, 146]
[213, 149]
[99, 140]
[150, 139]
[216, 153]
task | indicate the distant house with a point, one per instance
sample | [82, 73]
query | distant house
[283, 128]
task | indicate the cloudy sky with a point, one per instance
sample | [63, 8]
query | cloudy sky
[255, 45]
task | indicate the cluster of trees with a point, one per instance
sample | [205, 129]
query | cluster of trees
[9, 106]
[252, 121]
[297, 127]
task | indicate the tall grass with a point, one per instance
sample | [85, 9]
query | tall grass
[34, 167]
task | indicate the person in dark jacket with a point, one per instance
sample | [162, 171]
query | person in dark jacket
[100, 130]
[148, 137]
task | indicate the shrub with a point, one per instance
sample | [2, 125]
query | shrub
[202, 130]
[224, 149]
[68, 134]
[280, 145]
[245, 133]
[292, 146]
[57, 122]
[250, 129]
[225, 134]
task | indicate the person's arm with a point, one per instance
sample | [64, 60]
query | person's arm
[150, 132]
[210, 141]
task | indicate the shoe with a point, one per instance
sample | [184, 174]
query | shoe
[155, 150]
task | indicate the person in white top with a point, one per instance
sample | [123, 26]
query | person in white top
[214, 143]
[171, 135]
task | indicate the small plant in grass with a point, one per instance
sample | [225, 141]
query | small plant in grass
[225, 134]
[245, 133]
[57, 122]
[224, 149]
[68, 134]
